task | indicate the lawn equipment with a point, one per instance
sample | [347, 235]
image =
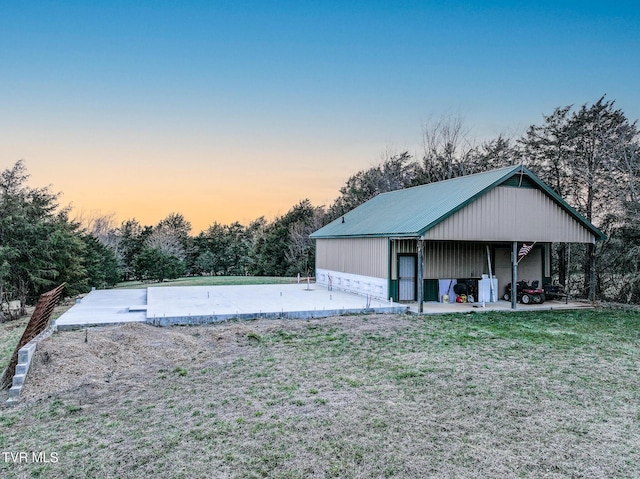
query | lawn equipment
[466, 290]
[554, 291]
[526, 294]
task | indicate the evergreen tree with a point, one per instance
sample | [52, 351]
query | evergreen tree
[39, 246]
[153, 264]
[100, 262]
[132, 241]
[393, 173]
[272, 247]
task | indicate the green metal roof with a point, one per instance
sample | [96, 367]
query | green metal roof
[412, 211]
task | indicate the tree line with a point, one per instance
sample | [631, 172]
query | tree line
[42, 246]
[588, 155]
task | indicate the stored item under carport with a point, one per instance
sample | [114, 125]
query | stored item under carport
[526, 294]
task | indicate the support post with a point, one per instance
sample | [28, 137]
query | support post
[514, 275]
[591, 251]
[566, 286]
[420, 275]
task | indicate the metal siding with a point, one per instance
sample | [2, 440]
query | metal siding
[454, 260]
[363, 256]
[444, 259]
[529, 268]
[431, 290]
[512, 214]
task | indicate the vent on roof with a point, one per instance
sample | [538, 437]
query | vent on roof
[518, 181]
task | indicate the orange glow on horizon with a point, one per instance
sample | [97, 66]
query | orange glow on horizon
[241, 195]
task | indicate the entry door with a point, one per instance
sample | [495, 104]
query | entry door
[407, 277]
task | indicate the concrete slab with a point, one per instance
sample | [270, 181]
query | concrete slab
[102, 307]
[169, 305]
[204, 304]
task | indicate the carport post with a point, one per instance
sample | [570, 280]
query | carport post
[420, 274]
[514, 275]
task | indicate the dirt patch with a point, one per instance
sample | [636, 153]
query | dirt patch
[97, 358]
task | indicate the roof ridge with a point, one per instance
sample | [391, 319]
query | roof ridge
[440, 182]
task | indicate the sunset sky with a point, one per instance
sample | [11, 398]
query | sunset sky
[231, 110]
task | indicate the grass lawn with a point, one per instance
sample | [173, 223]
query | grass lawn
[484, 395]
[208, 281]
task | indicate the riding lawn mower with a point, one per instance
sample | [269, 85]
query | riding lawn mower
[525, 293]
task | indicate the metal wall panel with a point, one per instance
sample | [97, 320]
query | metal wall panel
[511, 214]
[363, 256]
[444, 259]
[529, 268]
[454, 260]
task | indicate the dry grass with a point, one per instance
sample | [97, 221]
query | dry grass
[10, 334]
[482, 395]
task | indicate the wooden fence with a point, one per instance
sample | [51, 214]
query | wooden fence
[38, 323]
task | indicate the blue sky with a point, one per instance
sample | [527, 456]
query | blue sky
[233, 110]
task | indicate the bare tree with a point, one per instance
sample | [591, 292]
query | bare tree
[171, 236]
[618, 268]
[393, 173]
[446, 150]
[102, 227]
[301, 248]
[165, 241]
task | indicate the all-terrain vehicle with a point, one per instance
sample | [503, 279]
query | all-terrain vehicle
[525, 293]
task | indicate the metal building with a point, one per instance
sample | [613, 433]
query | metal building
[466, 229]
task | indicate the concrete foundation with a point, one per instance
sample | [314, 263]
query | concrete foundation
[101, 307]
[167, 305]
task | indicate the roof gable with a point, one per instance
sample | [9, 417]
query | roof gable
[413, 211]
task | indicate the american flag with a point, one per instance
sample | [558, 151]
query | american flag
[524, 250]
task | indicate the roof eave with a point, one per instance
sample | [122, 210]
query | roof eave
[371, 235]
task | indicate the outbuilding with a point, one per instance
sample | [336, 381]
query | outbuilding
[468, 230]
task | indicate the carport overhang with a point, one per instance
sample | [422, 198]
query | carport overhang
[420, 242]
